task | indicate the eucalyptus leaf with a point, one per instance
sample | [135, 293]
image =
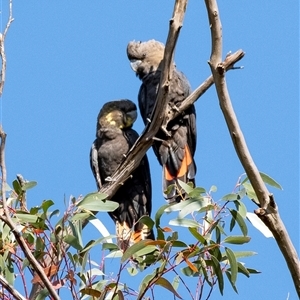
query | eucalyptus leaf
[266, 179]
[187, 188]
[134, 249]
[145, 250]
[239, 219]
[197, 235]
[237, 239]
[230, 197]
[184, 223]
[29, 185]
[73, 241]
[217, 268]
[94, 202]
[167, 285]
[233, 265]
[159, 213]
[25, 217]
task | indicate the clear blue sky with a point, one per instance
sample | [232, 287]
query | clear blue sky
[66, 59]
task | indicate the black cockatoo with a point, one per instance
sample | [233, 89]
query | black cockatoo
[114, 138]
[175, 151]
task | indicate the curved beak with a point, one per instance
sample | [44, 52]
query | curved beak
[134, 63]
[130, 118]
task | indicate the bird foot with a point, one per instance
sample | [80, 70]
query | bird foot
[164, 129]
[109, 179]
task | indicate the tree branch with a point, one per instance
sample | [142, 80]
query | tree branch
[2, 51]
[6, 216]
[268, 212]
[11, 289]
[145, 141]
[8, 221]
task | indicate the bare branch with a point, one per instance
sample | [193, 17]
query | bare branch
[146, 139]
[7, 219]
[11, 289]
[268, 212]
[228, 63]
[2, 51]
[236, 134]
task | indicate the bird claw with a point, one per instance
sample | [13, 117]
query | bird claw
[109, 179]
[164, 129]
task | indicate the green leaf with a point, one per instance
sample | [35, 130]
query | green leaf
[187, 271]
[159, 213]
[17, 187]
[54, 213]
[230, 197]
[26, 218]
[94, 202]
[187, 188]
[29, 185]
[237, 239]
[239, 219]
[243, 270]
[250, 192]
[134, 249]
[93, 243]
[213, 189]
[176, 282]
[179, 244]
[145, 250]
[253, 271]
[196, 192]
[77, 231]
[241, 208]
[192, 206]
[147, 221]
[72, 241]
[178, 206]
[145, 283]
[270, 181]
[184, 223]
[46, 204]
[233, 265]
[80, 216]
[228, 274]
[109, 246]
[217, 268]
[214, 250]
[167, 285]
[239, 254]
[266, 179]
[197, 235]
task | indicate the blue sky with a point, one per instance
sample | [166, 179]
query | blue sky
[65, 60]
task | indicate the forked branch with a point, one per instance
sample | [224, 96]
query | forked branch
[268, 212]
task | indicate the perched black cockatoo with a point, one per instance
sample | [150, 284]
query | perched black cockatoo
[114, 138]
[175, 151]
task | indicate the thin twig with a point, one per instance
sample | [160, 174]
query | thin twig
[268, 212]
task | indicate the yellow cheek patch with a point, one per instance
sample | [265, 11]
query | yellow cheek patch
[128, 122]
[109, 117]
